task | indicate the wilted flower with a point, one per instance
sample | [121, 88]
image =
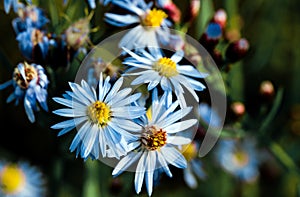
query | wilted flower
[77, 35]
[156, 141]
[21, 180]
[104, 120]
[151, 25]
[158, 69]
[30, 84]
[33, 44]
[29, 17]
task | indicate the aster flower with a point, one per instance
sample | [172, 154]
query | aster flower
[155, 146]
[30, 84]
[239, 158]
[151, 25]
[103, 121]
[29, 17]
[21, 180]
[194, 169]
[33, 44]
[154, 68]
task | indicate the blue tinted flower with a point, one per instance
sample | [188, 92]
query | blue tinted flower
[29, 17]
[33, 44]
[154, 68]
[30, 84]
[194, 168]
[21, 180]
[155, 146]
[239, 158]
[103, 120]
[151, 25]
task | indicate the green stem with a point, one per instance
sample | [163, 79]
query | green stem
[91, 187]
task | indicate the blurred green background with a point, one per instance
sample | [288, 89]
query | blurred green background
[272, 28]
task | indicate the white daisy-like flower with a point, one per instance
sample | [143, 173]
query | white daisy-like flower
[21, 180]
[103, 121]
[152, 26]
[154, 68]
[156, 146]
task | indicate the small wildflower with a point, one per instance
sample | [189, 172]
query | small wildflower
[155, 146]
[210, 38]
[103, 121]
[21, 180]
[240, 158]
[152, 24]
[30, 84]
[158, 69]
[220, 17]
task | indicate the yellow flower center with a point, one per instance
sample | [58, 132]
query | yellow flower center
[189, 151]
[154, 18]
[240, 158]
[154, 138]
[11, 179]
[165, 67]
[30, 73]
[99, 113]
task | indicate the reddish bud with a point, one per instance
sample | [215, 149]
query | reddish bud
[237, 50]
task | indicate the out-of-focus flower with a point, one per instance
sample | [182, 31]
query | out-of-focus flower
[77, 35]
[151, 24]
[97, 65]
[29, 17]
[155, 146]
[237, 50]
[194, 167]
[240, 158]
[266, 89]
[33, 44]
[21, 180]
[30, 84]
[192, 13]
[103, 120]
[172, 10]
[238, 109]
[210, 38]
[154, 68]
[220, 17]
[176, 42]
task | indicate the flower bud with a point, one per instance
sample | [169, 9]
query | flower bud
[237, 50]
[211, 36]
[173, 12]
[266, 90]
[220, 17]
[237, 109]
[193, 11]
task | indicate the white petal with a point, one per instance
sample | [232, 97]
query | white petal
[125, 162]
[139, 174]
[180, 126]
[174, 117]
[174, 157]
[176, 57]
[190, 71]
[178, 140]
[189, 178]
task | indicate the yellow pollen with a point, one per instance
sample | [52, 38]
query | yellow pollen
[99, 113]
[165, 67]
[11, 179]
[154, 138]
[154, 18]
[189, 151]
[240, 158]
[30, 73]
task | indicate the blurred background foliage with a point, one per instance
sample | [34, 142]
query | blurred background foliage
[272, 29]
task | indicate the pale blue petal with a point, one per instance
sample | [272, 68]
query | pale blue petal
[168, 111]
[6, 84]
[178, 140]
[174, 157]
[189, 178]
[89, 140]
[163, 164]
[79, 136]
[190, 71]
[139, 174]
[174, 117]
[128, 100]
[28, 110]
[180, 126]
[150, 166]
[126, 162]
[121, 20]
[176, 57]
[112, 93]
[69, 112]
[139, 58]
